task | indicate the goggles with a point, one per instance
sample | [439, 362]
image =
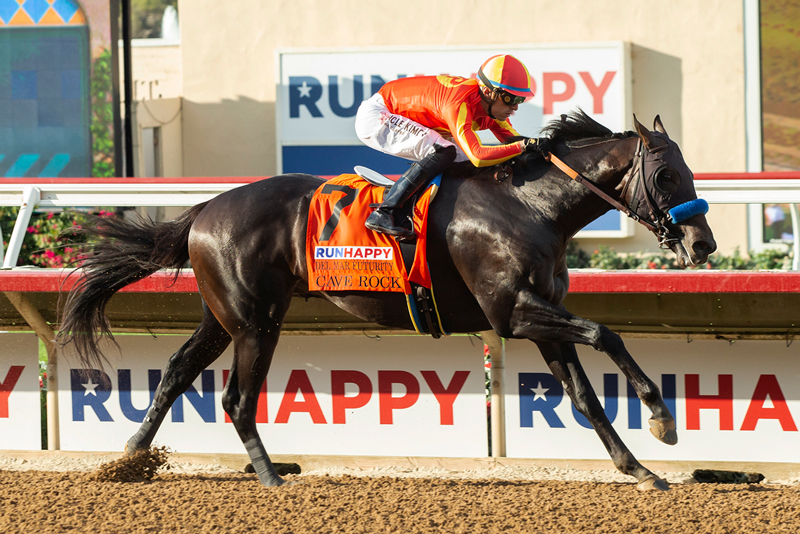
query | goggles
[509, 99]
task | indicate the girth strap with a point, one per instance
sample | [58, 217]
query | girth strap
[422, 305]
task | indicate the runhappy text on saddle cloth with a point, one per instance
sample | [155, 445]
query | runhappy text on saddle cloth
[343, 255]
[354, 253]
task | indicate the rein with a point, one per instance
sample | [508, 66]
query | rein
[578, 177]
[664, 235]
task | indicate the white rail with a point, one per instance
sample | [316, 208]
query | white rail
[758, 191]
[739, 188]
[66, 193]
[114, 195]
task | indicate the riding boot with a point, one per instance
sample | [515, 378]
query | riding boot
[383, 218]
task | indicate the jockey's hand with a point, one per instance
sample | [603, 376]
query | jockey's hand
[538, 145]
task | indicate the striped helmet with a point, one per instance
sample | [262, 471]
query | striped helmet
[505, 73]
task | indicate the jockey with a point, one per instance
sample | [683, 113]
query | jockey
[432, 121]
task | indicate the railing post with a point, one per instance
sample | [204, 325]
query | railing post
[796, 240]
[30, 197]
[44, 331]
[497, 351]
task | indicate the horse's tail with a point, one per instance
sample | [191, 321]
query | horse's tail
[127, 252]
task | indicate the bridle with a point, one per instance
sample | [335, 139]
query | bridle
[655, 219]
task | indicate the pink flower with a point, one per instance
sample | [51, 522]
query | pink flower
[50, 215]
[31, 230]
[68, 249]
[49, 253]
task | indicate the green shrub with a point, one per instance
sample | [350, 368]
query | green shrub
[45, 243]
[605, 257]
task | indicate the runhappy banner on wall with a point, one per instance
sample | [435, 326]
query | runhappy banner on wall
[20, 409]
[337, 395]
[320, 92]
[731, 402]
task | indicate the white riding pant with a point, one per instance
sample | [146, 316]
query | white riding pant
[396, 135]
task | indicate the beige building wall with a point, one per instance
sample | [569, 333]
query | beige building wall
[687, 66]
[156, 69]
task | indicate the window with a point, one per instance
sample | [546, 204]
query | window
[779, 27]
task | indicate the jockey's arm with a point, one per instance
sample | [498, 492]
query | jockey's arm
[479, 154]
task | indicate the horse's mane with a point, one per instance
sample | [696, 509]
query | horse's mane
[578, 126]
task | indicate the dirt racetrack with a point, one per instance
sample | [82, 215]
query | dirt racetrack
[45, 502]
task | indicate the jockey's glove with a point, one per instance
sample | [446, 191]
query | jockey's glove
[538, 145]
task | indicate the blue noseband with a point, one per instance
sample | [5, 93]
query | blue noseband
[683, 211]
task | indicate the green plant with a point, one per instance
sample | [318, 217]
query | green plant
[604, 257]
[47, 242]
[102, 126]
[577, 258]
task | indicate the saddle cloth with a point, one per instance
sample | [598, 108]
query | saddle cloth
[343, 255]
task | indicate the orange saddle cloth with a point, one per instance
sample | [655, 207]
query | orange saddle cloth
[343, 255]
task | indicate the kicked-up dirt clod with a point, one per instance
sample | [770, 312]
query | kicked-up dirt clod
[137, 467]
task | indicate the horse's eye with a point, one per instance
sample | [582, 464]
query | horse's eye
[667, 180]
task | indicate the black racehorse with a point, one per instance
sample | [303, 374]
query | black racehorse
[497, 256]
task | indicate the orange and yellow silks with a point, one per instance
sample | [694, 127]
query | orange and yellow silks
[343, 255]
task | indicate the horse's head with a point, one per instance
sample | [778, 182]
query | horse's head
[660, 191]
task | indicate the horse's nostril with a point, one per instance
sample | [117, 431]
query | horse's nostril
[703, 248]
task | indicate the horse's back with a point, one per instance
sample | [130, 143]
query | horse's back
[259, 202]
[255, 226]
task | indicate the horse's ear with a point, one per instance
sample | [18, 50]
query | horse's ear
[650, 141]
[657, 126]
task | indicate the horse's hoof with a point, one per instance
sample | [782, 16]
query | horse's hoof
[271, 480]
[664, 431]
[129, 450]
[652, 483]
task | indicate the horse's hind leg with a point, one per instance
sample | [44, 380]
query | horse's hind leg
[253, 357]
[206, 344]
[256, 325]
[562, 358]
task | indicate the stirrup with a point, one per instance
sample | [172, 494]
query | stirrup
[393, 230]
[398, 232]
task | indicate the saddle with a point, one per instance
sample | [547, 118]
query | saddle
[343, 255]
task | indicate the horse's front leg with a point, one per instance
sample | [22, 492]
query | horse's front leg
[539, 320]
[662, 423]
[562, 359]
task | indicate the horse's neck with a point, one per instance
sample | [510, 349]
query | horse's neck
[605, 164]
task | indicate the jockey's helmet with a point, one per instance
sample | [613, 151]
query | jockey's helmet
[504, 73]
